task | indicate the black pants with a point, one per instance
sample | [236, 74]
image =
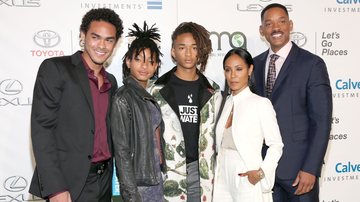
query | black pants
[98, 185]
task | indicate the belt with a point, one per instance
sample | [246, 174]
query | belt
[99, 167]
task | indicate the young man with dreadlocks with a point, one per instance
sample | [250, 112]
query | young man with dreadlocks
[189, 102]
[136, 123]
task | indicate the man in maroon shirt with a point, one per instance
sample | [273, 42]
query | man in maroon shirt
[70, 116]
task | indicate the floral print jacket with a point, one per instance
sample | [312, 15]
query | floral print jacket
[210, 98]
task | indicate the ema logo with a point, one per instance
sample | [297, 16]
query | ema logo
[154, 4]
[236, 39]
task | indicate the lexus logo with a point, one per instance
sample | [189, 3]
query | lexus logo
[298, 38]
[10, 87]
[47, 38]
[23, 3]
[15, 184]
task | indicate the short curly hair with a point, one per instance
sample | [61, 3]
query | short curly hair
[202, 38]
[102, 14]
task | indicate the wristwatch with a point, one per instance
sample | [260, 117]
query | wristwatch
[261, 174]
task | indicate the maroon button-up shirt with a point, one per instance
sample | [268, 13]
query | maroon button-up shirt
[100, 98]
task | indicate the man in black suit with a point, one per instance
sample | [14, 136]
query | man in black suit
[70, 116]
[297, 83]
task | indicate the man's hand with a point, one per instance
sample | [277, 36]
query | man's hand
[61, 197]
[253, 176]
[305, 182]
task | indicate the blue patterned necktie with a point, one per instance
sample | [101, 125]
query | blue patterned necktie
[271, 76]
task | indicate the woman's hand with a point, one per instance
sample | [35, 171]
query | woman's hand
[254, 176]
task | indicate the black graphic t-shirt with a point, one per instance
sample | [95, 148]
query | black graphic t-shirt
[187, 99]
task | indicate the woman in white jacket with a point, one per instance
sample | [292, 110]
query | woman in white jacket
[246, 122]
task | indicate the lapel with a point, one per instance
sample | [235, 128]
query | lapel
[220, 126]
[113, 88]
[167, 92]
[81, 76]
[261, 80]
[286, 68]
[206, 90]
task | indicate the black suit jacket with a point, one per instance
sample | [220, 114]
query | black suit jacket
[303, 103]
[62, 126]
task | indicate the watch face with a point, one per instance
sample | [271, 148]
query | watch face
[261, 174]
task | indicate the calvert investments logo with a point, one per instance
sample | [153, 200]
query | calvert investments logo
[348, 2]
[10, 93]
[154, 4]
[344, 171]
[347, 167]
[20, 3]
[115, 5]
[346, 88]
[343, 6]
[46, 40]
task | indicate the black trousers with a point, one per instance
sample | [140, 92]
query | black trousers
[98, 184]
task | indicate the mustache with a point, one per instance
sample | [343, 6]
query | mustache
[277, 32]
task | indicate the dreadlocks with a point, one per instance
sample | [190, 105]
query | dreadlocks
[144, 39]
[202, 38]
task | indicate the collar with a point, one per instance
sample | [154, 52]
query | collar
[138, 89]
[164, 79]
[90, 73]
[242, 94]
[284, 51]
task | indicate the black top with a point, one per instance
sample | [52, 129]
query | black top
[187, 99]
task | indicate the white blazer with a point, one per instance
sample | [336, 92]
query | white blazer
[254, 120]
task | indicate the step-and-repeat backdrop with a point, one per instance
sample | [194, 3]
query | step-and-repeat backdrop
[32, 30]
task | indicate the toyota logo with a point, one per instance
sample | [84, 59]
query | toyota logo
[10, 87]
[15, 184]
[46, 38]
[298, 38]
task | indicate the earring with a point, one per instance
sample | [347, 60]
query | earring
[81, 42]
